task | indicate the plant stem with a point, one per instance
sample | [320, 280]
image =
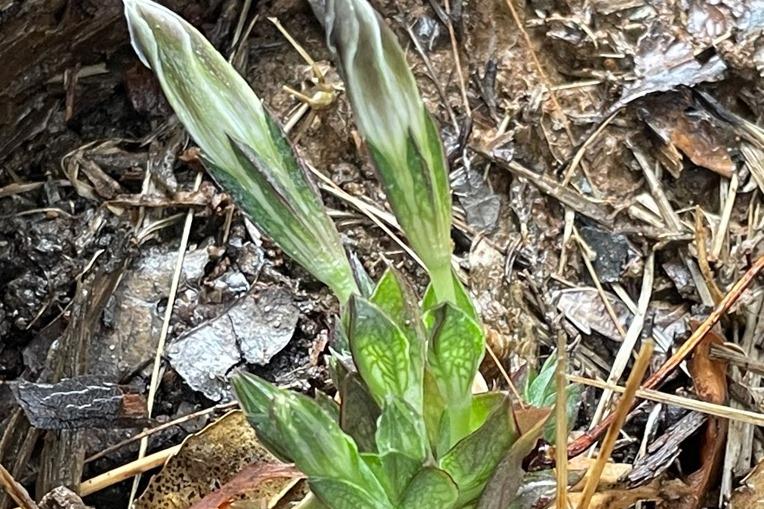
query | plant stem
[443, 283]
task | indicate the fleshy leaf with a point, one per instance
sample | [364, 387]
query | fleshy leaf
[472, 461]
[401, 428]
[572, 403]
[358, 413]
[400, 134]
[484, 405]
[502, 488]
[339, 494]
[380, 350]
[539, 387]
[309, 436]
[396, 299]
[394, 470]
[216, 106]
[456, 348]
[430, 489]
[328, 405]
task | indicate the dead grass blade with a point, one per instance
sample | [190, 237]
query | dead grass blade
[585, 441]
[619, 418]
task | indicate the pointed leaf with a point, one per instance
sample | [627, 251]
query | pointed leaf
[339, 494]
[472, 461]
[572, 404]
[456, 348]
[303, 432]
[484, 405]
[380, 350]
[401, 428]
[430, 489]
[433, 410]
[502, 488]
[358, 413]
[399, 133]
[463, 300]
[542, 385]
[216, 106]
[395, 297]
[328, 405]
[394, 471]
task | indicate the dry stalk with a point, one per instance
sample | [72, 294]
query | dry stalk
[621, 411]
[585, 441]
[725, 412]
[15, 490]
[561, 427]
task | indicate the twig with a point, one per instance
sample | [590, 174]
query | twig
[598, 284]
[154, 384]
[705, 268]
[504, 374]
[725, 412]
[579, 155]
[576, 201]
[16, 490]
[561, 424]
[457, 60]
[630, 339]
[669, 215]
[621, 411]
[583, 442]
[157, 429]
[724, 222]
[127, 471]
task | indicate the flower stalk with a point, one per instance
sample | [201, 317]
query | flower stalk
[244, 149]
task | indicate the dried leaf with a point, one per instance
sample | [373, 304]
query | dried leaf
[710, 381]
[212, 457]
[258, 483]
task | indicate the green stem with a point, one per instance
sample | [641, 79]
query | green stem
[443, 283]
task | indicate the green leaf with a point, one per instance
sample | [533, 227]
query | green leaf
[328, 405]
[430, 489]
[339, 494]
[472, 461]
[502, 488]
[362, 278]
[401, 136]
[572, 403]
[433, 410]
[542, 385]
[298, 429]
[456, 347]
[399, 469]
[484, 405]
[380, 350]
[401, 428]
[255, 396]
[243, 147]
[358, 413]
[463, 300]
[397, 300]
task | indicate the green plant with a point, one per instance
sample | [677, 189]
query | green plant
[409, 431]
[242, 146]
[400, 135]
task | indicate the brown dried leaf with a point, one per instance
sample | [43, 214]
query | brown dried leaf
[210, 458]
[692, 133]
[710, 381]
[256, 482]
